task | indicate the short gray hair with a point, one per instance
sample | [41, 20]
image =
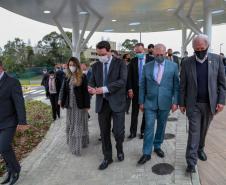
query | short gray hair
[200, 37]
[160, 46]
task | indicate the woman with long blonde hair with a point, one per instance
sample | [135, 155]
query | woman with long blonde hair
[75, 98]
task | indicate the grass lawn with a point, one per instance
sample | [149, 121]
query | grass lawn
[28, 81]
[39, 118]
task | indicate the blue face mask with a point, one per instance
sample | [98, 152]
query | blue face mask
[140, 55]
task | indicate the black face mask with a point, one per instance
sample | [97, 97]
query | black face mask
[150, 53]
[201, 54]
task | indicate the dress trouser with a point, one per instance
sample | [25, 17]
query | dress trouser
[6, 150]
[134, 117]
[54, 104]
[199, 121]
[104, 118]
[150, 136]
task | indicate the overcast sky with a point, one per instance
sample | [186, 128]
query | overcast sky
[13, 25]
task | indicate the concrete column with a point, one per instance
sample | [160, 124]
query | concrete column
[184, 37]
[207, 27]
[75, 28]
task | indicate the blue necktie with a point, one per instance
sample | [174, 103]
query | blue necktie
[105, 73]
[140, 69]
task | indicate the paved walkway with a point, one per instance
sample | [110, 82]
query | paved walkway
[216, 153]
[51, 163]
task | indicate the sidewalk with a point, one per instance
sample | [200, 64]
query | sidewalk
[51, 163]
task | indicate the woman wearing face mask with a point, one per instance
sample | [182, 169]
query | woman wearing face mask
[75, 98]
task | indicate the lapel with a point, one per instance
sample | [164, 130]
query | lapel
[111, 66]
[100, 72]
[152, 71]
[210, 67]
[193, 69]
[3, 79]
[164, 72]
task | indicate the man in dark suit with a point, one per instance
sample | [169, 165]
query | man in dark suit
[44, 82]
[12, 117]
[172, 57]
[150, 54]
[134, 77]
[54, 86]
[108, 82]
[60, 74]
[202, 95]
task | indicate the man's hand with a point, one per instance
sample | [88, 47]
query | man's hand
[174, 107]
[130, 93]
[91, 90]
[142, 107]
[22, 128]
[219, 108]
[182, 109]
[99, 90]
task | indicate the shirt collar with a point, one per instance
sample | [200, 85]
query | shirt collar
[162, 64]
[1, 75]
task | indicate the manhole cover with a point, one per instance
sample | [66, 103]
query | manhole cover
[162, 169]
[169, 136]
[172, 119]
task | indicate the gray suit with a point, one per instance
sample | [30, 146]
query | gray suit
[200, 114]
[112, 104]
[12, 111]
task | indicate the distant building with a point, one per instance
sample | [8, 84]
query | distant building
[91, 54]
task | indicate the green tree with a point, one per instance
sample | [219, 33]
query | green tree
[128, 45]
[54, 47]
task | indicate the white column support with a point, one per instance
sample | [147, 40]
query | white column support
[99, 19]
[75, 28]
[207, 27]
[66, 38]
[78, 41]
[184, 37]
[186, 20]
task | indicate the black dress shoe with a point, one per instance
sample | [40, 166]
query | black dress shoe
[159, 152]
[142, 136]
[144, 159]
[190, 169]
[7, 179]
[105, 164]
[120, 156]
[202, 156]
[14, 178]
[131, 136]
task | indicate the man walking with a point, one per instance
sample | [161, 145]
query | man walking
[202, 95]
[12, 117]
[108, 82]
[158, 93]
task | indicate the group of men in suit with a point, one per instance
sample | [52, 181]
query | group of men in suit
[153, 85]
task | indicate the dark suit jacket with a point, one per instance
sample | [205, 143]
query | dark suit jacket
[81, 93]
[216, 82]
[12, 109]
[117, 77]
[133, 75]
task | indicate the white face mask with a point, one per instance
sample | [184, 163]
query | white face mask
[51, 77]
[103, 59]
[72, 68]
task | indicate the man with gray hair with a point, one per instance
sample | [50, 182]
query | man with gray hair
[158, 94]
[202, 95]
